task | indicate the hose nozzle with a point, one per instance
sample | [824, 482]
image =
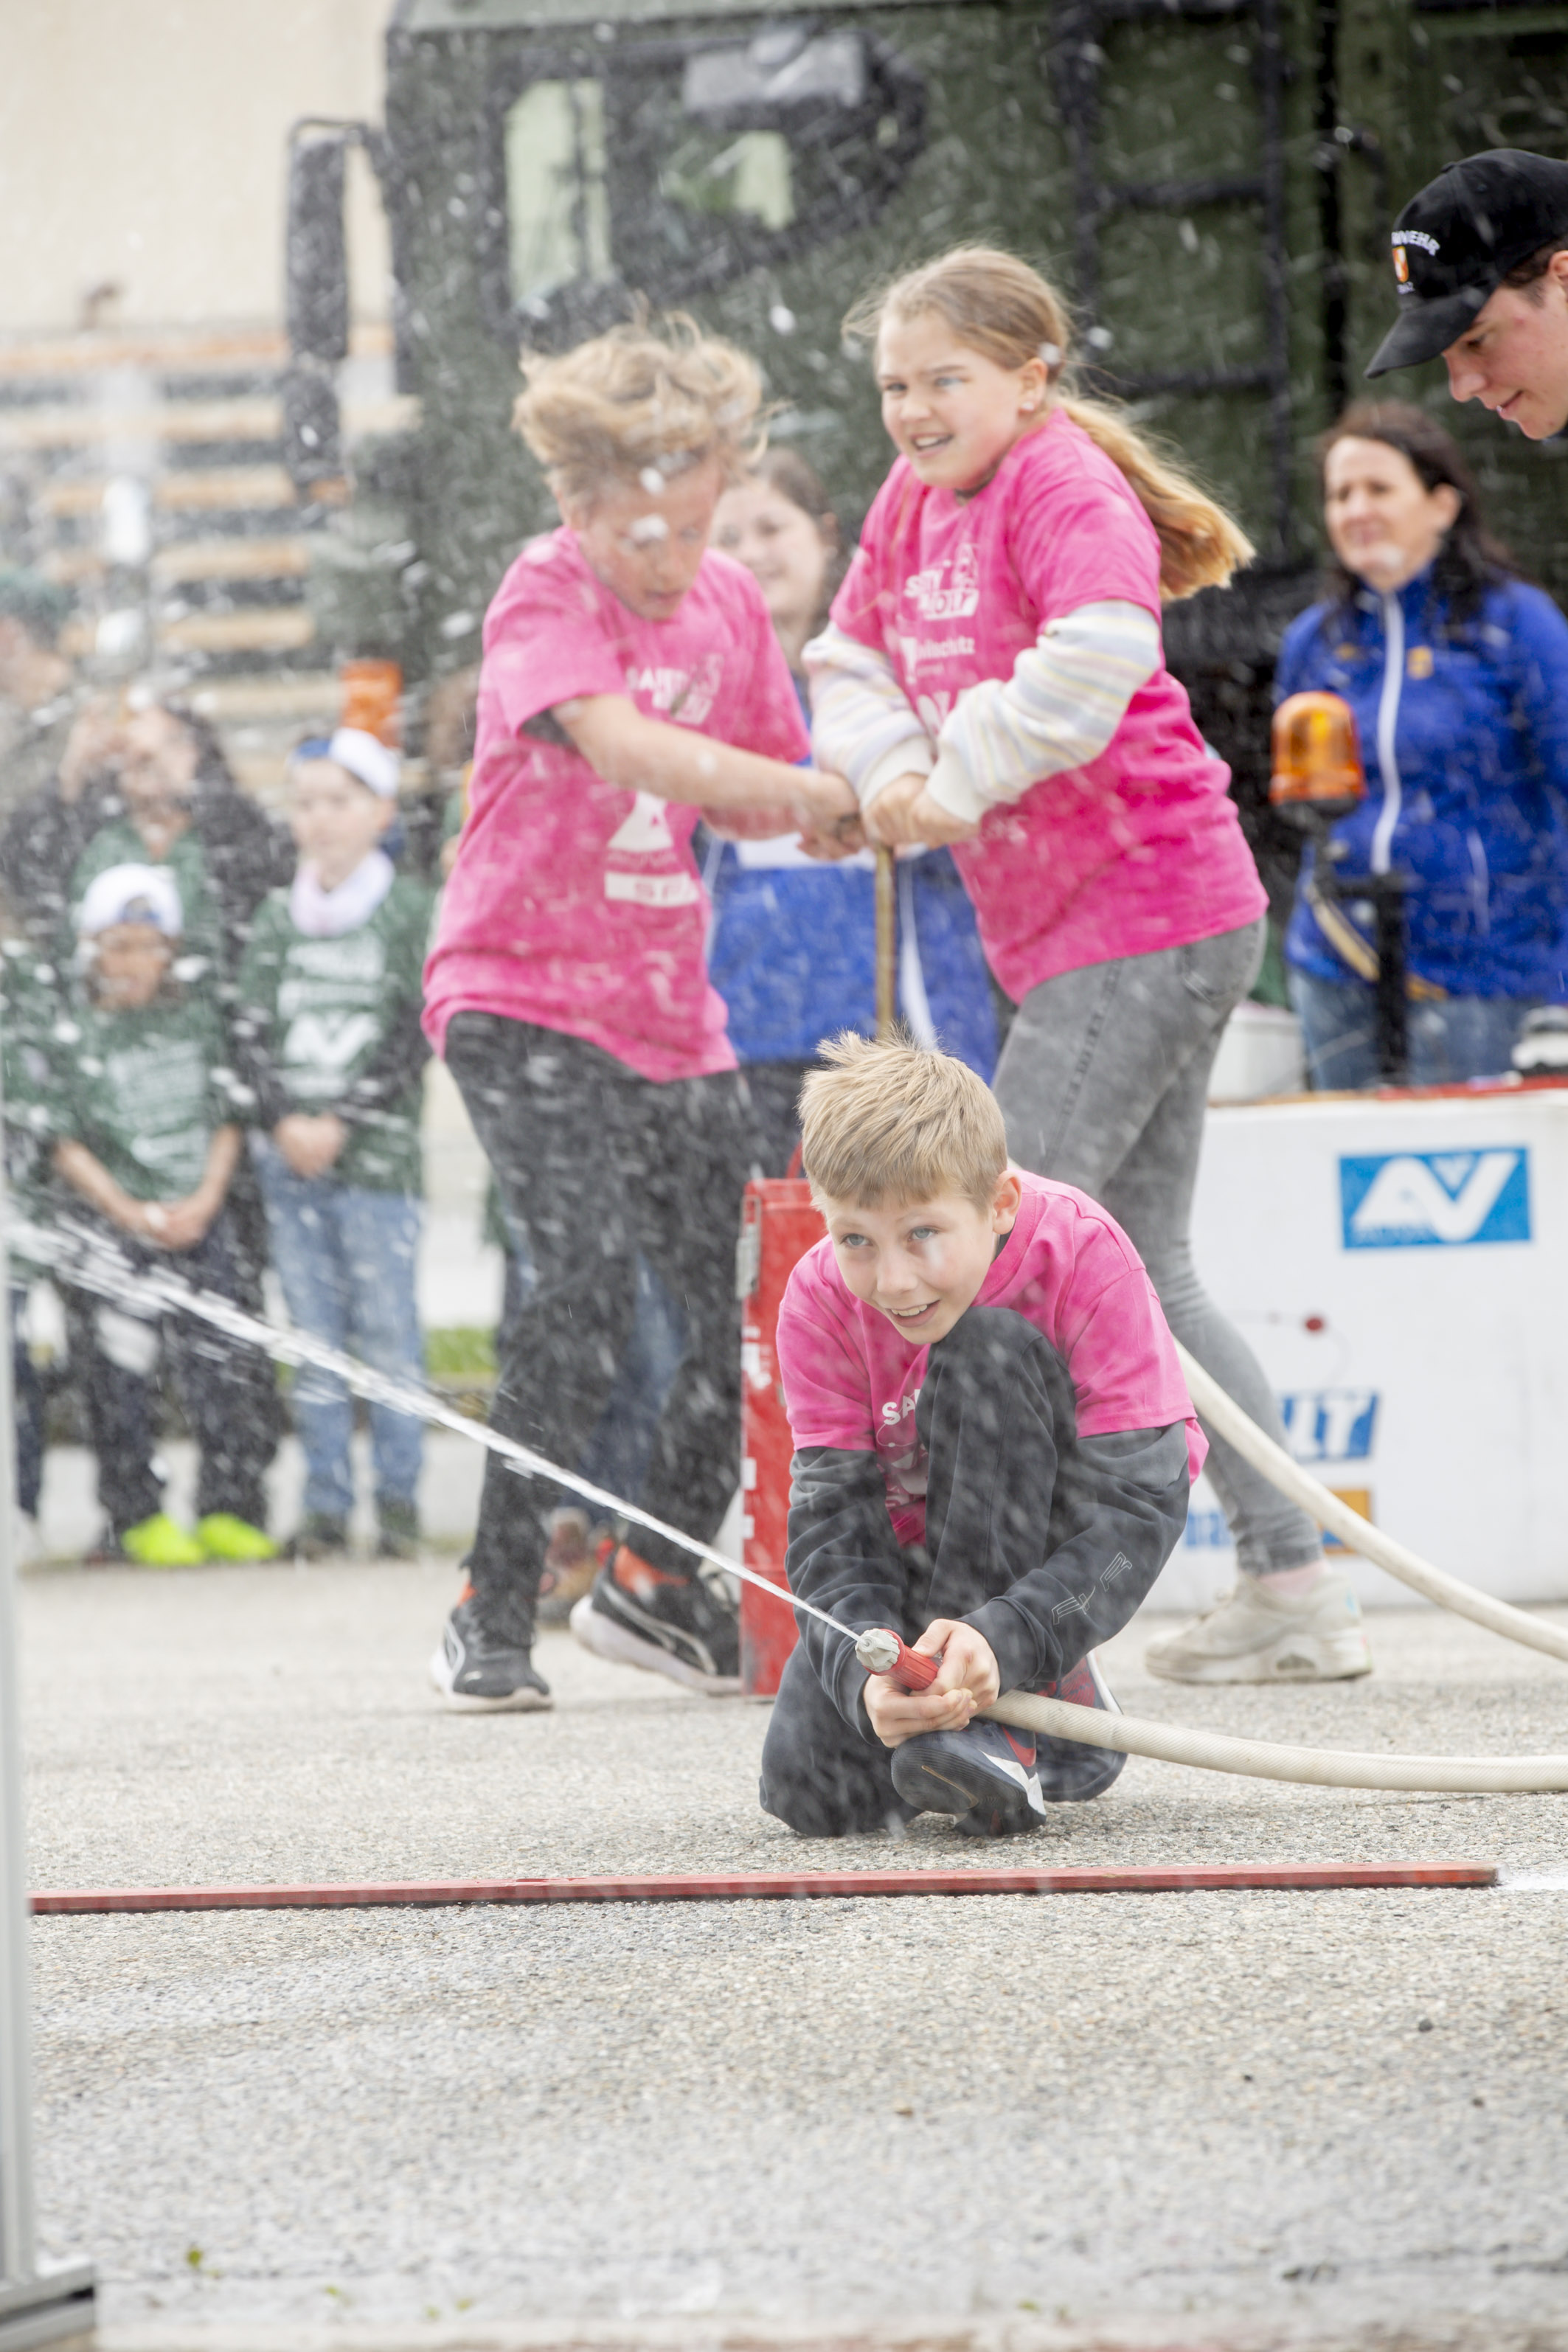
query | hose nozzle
[882, 1651]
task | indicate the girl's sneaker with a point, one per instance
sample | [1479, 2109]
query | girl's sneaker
[224, 1536]
[474, 1671]
[682, 1626]
[162, 1542]
[1260, 1635]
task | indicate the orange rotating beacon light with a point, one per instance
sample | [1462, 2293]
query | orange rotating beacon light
[1318, 775]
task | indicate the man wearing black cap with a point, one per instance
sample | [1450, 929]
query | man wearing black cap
[1481, 260]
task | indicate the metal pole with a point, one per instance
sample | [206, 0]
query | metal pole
[58, 2304]
[887, 942]
[1388, 892]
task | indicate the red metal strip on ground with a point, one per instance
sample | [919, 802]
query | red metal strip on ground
[776, 1887]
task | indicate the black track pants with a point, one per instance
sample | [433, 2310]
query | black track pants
[596, 1164]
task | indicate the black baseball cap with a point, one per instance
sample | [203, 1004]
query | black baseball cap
[1456, 242]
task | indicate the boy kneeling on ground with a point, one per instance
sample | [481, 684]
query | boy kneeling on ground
[993, 1448]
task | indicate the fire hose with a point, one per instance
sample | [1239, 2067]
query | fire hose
[87, 1261]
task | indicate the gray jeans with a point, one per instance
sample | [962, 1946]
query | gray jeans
[1103, 1082]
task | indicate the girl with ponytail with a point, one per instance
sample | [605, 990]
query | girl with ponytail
[991, 676]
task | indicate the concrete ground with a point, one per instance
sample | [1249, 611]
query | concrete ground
[1010, 2122]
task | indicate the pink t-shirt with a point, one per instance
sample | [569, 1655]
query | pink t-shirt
[1143, 848]
[850, 1381]
[573, 903]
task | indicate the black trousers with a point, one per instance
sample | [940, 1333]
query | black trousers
[998, 1419]
[226, 1391]
[597, 1164]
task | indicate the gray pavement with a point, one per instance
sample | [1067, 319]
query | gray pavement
[999, 2122]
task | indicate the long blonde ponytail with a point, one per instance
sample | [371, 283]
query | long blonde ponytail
[1000, 306]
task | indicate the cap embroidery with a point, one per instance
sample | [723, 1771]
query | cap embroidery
[1420, 237]
[1401, 265]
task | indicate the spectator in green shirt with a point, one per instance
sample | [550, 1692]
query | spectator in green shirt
[147, 1142]
[328, 1041]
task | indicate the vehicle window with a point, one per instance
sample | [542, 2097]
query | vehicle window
[676, 165]
[710, 172]
[558, 207]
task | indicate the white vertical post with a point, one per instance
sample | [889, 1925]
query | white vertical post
[34, 2309]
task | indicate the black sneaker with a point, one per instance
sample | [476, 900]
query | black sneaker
[472, 1671]
[316, 1538]
[983, 1775]
[996, 1779]
[680, 1626]
[1070, 1773]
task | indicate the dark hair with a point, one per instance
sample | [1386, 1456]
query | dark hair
[1527, 275]
[788, 473]
[1470, 559]
[212, 773]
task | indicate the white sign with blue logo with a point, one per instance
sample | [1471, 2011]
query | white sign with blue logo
[1435, 1200]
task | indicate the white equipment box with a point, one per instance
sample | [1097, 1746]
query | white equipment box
[1400, 1264]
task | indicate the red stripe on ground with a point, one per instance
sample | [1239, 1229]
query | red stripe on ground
[774, 1886]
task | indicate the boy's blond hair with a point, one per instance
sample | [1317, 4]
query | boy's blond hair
[889, 1122]
[664, 396]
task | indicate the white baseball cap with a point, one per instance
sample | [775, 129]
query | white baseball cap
[131, 894]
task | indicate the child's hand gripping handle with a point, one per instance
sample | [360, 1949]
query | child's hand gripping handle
[882, 1651]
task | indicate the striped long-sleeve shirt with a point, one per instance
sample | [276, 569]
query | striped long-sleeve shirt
[1058, 709]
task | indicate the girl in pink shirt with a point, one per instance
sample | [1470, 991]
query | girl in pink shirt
[631, 682]
[992, 678]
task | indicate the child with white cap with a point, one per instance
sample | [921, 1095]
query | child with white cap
[147, 1139]
[329, 1038]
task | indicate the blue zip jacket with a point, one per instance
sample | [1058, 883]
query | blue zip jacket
[792, 952]
[1464, 739]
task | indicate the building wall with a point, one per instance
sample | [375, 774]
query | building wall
[141, 145]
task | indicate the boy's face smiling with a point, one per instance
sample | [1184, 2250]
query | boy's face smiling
[922, 1264]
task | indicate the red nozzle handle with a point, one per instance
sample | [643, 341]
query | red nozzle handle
[912, 1671]
[907, 1667]
[882, 1651]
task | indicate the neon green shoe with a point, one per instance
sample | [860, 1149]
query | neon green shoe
[162, 1542]
[226, 1538]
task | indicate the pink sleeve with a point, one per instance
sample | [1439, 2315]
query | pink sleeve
[828, 1392]
[1076, 539]
[1119, 1348]
[545, 642]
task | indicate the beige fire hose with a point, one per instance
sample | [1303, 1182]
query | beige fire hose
[1212, 1751]
[1263, 1760]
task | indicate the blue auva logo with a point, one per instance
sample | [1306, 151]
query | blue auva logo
[1436, 1200]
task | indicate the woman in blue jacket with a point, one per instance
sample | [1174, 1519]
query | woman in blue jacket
[793, 947]
[1458, 675]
